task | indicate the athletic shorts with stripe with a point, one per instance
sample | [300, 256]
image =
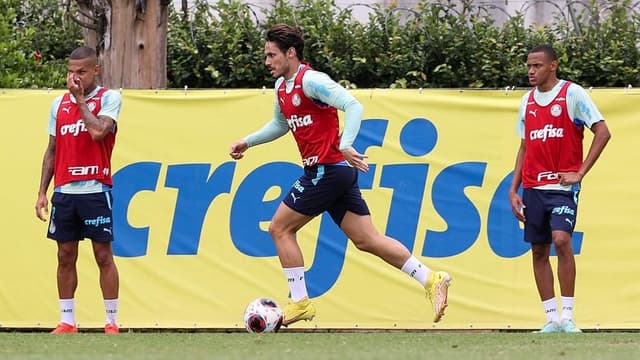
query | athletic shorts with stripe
[75, 217]
[332, 188]
[548, 210]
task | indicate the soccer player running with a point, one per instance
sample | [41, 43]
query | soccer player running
[82, 133]
[550, 166]
[306, 103]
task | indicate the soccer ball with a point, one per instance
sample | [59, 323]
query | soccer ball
[262, 315]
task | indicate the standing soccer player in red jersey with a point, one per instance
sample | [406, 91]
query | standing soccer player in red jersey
[82, 133]
[550, 167]
[306, 103]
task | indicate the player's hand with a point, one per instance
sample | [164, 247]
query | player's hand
[356, 159]
[569, 178]
[75, 86]
[42, 207]
[517, 206]
[237, 149]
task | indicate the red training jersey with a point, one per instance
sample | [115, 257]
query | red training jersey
[78, 156]
[553, 142]
[314, 125]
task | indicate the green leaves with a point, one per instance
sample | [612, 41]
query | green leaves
[35, 40]
[435, 44]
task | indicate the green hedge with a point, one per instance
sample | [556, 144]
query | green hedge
[431, 45]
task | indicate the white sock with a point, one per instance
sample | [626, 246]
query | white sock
[68, 311]
[297, 285]
[551, 309]
[111, 308]
[416, 270]
[567, 307]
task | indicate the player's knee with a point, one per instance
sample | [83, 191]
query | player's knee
[67, 257]
[564, 247]
[363, 244]
[66, 261]
[280, 233]
[104, 259]
[275, 231]
[540, 253]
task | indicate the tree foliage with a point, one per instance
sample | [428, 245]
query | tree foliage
[435, 44]
[35, 39]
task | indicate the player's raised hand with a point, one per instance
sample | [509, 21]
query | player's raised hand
[75, 86]
[356, 159]
[237, 149]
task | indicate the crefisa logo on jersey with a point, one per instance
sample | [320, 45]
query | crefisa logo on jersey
[556, 110]
[296, 100]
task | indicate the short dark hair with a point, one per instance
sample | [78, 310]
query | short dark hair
[83, 52]
[285, 37]
[548, 50]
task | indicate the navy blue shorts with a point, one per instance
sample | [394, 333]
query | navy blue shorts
[331, 188]
[548, 210]
[75, 217]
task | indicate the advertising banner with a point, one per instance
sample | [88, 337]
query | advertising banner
[190, 223]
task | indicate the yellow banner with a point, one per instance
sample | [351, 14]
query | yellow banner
[191, 224]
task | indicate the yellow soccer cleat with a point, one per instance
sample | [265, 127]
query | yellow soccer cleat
[296, 311]
[436, 288]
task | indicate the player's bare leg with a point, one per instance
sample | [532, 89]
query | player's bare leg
[283, 228]
[365, 237]
[109, 283]
[67, 279]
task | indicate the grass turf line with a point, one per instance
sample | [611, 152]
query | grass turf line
[353, 346]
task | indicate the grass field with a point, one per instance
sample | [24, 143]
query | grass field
[321, 345]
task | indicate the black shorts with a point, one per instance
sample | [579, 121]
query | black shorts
[548, 210]
[78, 216]
[331, 188]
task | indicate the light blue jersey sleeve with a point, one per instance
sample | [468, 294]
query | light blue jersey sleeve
[581, 108]
[523, 106]
[320, 86]
[111, 104]
[273, 129]
[53, 115]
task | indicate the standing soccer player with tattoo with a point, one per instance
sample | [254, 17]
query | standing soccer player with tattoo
[82, 134]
